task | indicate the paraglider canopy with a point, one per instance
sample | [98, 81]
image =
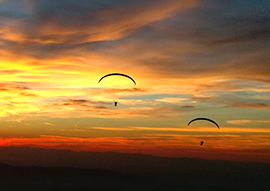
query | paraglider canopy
[201, 118]
[117, 74]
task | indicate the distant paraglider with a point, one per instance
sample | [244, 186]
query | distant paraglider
[117, 74]
[201, 118]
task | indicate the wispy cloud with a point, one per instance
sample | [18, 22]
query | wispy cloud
[189, 58]
[239, 122]
[49, 124]
[28, 94]
[94, 23]
[82, 102]
[246, 121]
[250, 105]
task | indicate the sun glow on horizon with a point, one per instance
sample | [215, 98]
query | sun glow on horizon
[185, 63]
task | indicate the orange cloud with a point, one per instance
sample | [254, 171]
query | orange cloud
[49, 124]
[52, 59]
[168, 146]
[108, 24]
[250, 105]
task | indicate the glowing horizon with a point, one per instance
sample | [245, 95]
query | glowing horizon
[189, 59]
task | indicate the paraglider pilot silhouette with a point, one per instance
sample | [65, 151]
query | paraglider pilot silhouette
[201, 118]
[117, 74]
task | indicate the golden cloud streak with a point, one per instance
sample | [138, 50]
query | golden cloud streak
[111, 128]
[188, 129]
[49, 124]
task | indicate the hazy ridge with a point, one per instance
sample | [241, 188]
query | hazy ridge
[45, 169]
[119, 162]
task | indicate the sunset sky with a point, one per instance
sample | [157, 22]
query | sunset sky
[195, 58]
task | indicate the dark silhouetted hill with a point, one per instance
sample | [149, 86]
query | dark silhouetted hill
[45, 169]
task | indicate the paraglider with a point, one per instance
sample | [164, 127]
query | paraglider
[117, 74]
[201, 118]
